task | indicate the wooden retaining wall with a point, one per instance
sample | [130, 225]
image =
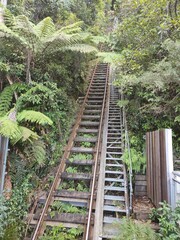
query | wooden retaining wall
[140, 185]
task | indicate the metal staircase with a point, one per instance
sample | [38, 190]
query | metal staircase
[113, 203]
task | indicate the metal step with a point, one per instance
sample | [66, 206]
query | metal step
[113, 209]
[114, 172]
[117, 189]
[114, 198]
[111, 220]
[115, 165]
[114, 180]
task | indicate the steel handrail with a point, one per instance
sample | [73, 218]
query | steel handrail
[127, 146]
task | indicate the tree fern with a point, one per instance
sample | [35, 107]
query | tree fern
[45, 28]
[34, 117]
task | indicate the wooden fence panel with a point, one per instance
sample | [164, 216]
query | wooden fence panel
[159, 161]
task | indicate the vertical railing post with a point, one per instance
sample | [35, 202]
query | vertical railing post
[3, 159]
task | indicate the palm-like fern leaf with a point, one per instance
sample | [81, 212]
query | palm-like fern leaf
[34, 117]
[45, 28]
[22, 23]
[6, 97]
[16, 38]
[83, 48]
[36, 152]
[9, 18]
[72, 28]
[10, 129]
[27, 134]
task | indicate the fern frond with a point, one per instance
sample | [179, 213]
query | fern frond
[72, 28]
[9, 18]
[45, 28]
[36, 152]
[34, 117]
[99, 39]
[59, 39]
[22, 23]
[9, 129]
[28, 134]
[6, 97]
[83, 48]
[11, 35]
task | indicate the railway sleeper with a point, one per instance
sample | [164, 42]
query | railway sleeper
[80, 162]
[71, 194]
[76, 176]
[86, 139]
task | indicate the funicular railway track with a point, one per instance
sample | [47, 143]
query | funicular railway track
[71, 199]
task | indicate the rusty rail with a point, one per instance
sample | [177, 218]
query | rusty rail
[62, 164]
[96, 161]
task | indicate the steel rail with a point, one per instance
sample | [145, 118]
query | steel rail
[87, 231]
[62, 164]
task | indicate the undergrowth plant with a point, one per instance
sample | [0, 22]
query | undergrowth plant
[80, 156]
[61, 207]
[169, 221]
[130, 229]
[62, 233]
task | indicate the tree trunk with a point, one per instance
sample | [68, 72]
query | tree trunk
[28, 66]
[4, 3]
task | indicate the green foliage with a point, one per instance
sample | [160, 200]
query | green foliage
[65, 208]
[34, 117]
[14, 210]
[71, 185]
[3, 215]
[61, 233]
[42, 40]
[168, 221]
[129, 229]
[138, 161]
[136, 155]
[5, 100]
[80, 156]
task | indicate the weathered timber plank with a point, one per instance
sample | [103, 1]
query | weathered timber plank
[71, 194]
[76, 176]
